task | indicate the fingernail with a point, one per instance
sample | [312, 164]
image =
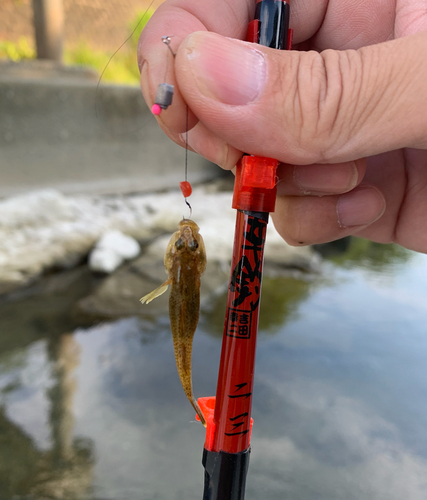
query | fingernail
[328, 179]
[360, 207]
[224, 69]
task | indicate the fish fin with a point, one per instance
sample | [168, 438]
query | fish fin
[155, 293]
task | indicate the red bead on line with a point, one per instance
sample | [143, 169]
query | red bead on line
[185, 188]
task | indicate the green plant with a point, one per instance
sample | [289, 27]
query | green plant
[116, 70]
[120, 67]
[138, 24]
[17, 51]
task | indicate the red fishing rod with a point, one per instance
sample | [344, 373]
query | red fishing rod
[228, 415]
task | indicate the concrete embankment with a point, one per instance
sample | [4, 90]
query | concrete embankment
[59, 130]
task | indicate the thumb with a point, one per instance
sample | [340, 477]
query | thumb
[307, 107]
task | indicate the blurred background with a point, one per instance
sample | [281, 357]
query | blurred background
[59, 128]
[86, 33]
[91, 407]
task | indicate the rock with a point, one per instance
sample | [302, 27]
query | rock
[104, 260]
[279, 257]
[111, 251]
[119, 294]
[46, 229]
[123, 245]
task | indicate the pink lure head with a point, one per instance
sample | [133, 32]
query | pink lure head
[156, 109]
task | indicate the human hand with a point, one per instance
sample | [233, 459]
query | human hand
[349, 125]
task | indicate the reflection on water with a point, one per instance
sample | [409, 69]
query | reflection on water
[280, 300]
[39, 454]
[340, 403]
[364, 253]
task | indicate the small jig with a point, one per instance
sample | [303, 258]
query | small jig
[165, 91]
[163, 98]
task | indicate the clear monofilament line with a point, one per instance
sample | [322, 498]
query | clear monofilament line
[115, 52]
[186, 155]
[186, 141]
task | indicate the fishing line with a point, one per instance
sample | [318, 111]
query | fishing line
[109, 60]
[186, 142]
[128, 132]
[186, 159]
[277, 180]
[162, 101]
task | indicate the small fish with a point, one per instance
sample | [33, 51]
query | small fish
[185, 262]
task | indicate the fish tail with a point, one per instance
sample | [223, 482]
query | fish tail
[196, 406]
[188, 389]
[183, 363]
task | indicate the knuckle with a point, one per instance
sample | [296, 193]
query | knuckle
[324, 99]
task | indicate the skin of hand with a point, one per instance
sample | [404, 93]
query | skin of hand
[345, 112]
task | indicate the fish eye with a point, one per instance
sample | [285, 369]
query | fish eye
[193, 245]
[179, 244]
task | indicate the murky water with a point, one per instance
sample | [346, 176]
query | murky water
[340, 397]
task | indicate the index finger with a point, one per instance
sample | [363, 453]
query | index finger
[179, 18]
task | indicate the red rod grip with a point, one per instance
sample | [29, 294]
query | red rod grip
[232, 417]
[229, 416]
[255, 184]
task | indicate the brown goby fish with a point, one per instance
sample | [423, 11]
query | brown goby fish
[185, 262]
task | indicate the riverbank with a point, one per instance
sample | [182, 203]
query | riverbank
[47, 231]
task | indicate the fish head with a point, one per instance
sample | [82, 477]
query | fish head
[187, 241]
[189, 237]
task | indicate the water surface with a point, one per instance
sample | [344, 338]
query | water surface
[340, 397]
